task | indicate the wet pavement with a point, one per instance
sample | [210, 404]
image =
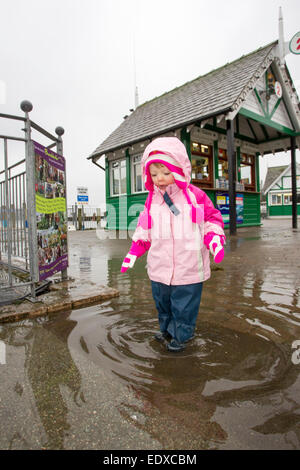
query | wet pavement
[94, 378]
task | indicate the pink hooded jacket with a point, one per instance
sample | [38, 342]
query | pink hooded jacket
[177, 254]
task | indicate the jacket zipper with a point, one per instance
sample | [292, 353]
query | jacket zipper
[173, 265]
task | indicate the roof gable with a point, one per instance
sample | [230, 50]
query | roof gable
[274, 174]
[272, 106]
[221, 90]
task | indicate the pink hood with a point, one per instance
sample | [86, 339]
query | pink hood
[173, 147]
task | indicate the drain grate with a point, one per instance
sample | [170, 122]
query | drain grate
[8, 295]
[19, 291]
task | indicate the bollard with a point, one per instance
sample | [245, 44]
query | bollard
[79, 219]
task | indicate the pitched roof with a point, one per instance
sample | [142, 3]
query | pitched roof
[272, 174]
[203, 97]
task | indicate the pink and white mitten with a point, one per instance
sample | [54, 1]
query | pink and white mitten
[214, 244]
[137, 250]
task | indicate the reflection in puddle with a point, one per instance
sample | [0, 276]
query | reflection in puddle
[123, 343]
[49, 370]
[181, 394]
[234, 386]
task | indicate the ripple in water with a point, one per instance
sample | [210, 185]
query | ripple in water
[217, 359]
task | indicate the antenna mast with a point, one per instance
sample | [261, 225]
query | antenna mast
[136, 92]
[281, 38]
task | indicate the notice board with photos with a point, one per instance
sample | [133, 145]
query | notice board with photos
[51, 211]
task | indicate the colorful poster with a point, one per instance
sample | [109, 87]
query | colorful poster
[222, 203]
[51, 211]
[239, 201]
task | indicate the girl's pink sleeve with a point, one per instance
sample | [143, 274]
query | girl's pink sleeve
[139, 248]
[142, 232]
[213, 221]
[140, 242]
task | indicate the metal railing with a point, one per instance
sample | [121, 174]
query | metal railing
[13, 214]
[85, 217]
[18, 232]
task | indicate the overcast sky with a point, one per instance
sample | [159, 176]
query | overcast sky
[74, 60]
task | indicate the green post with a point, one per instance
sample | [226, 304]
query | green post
[107, 188]
[238, 157]
[128, 185]
[258, 184]
[257, 172]
[216, 161]
[128, 173]
[80, 218]
[185, 138]
[107, 179]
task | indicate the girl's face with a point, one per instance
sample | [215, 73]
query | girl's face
[161, 176]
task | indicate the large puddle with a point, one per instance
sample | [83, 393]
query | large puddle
[236, 385]
[217, 359]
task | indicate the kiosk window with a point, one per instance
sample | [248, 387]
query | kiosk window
[248, 172]
[201, 159]
[137, 180]
[222, 165]
[287, 199]
[118, 177]
[276, 199]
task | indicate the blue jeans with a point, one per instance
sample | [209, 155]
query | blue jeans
[178, 308]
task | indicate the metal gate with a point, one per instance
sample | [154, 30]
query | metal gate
[18, 241]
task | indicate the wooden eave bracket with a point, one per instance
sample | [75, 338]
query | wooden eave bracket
[240, 100]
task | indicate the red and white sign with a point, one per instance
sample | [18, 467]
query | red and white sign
[295, 44]
[278, 89]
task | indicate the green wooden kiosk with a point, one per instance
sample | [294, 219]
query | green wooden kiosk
[226, 119]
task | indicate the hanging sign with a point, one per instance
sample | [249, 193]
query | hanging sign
[294, 44]
[82, 195]
[51, 211]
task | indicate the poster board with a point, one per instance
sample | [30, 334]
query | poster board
[51, 211]
[222, 203]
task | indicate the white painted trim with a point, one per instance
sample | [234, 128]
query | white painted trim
[280, 191]
[277, 179]
[288, 96]
[240, 101]
[281, 175]
[137, 154]
[281, 216]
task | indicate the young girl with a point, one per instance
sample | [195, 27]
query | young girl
[178, 227]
